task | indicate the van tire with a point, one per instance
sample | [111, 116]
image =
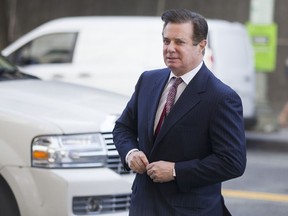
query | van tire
[8, 204]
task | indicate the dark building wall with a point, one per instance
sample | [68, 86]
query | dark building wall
[3, 24]
[25, 15]
[232, 10]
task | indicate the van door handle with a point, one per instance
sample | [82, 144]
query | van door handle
[247, 79]
[84, 75]
[57, 76]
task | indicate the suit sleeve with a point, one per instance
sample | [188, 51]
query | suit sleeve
[125, 134]
[227, 138]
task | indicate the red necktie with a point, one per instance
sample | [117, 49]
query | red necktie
[169, 102]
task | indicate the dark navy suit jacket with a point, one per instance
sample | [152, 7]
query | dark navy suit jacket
[203, 134]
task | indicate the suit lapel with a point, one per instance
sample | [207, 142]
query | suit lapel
[154, 98]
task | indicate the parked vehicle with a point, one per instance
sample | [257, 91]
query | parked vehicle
[111, 52]
[57, 155]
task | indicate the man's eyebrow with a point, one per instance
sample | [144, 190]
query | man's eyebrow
[182, 39]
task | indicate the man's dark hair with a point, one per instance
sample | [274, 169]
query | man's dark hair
[199, 23]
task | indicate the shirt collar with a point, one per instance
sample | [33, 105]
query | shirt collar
[187, 77]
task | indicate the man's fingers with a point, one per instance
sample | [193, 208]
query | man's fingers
[161, 171]
[144, 159]
[137, 161]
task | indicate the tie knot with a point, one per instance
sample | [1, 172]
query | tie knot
[177, 81]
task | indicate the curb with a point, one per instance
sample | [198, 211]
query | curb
[274, 141]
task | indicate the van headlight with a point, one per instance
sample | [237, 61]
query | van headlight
[69, 151]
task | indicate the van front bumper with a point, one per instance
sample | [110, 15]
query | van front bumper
[70, 192]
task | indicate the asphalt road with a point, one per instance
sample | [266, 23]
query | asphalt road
[263, 189]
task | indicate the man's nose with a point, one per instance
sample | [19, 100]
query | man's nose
[171, 47]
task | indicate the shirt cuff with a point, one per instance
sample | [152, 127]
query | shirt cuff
[132, 150]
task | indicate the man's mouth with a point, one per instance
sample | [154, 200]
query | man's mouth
[171, 58]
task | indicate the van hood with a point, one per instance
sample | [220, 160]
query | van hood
[71, 108]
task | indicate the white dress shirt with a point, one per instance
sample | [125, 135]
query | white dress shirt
[187, 77]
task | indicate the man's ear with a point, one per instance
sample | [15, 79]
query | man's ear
[202, 46]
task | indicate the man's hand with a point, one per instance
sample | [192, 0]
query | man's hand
[137, 161]
[161, 171]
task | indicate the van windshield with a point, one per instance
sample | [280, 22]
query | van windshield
[47, 49]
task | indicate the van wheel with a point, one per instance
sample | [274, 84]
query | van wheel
[8, 204]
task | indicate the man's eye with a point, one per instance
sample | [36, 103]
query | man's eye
[166, 42]
[180, 42]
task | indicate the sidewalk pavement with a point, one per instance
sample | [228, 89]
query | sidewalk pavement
[278, 136]
[275, 140]
[267, 134]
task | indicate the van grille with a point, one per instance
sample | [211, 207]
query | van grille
[94, 205]
[114, 161]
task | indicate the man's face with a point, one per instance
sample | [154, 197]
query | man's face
[180, 55]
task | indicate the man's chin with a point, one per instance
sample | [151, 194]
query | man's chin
[171, 65]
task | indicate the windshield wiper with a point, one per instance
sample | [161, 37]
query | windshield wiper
[7, 70]
[14, 74]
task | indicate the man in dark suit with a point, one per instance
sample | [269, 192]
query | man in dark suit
[182, 152]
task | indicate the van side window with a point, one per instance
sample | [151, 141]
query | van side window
[48, 49]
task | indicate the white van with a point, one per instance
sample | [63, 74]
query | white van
[111, 53]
